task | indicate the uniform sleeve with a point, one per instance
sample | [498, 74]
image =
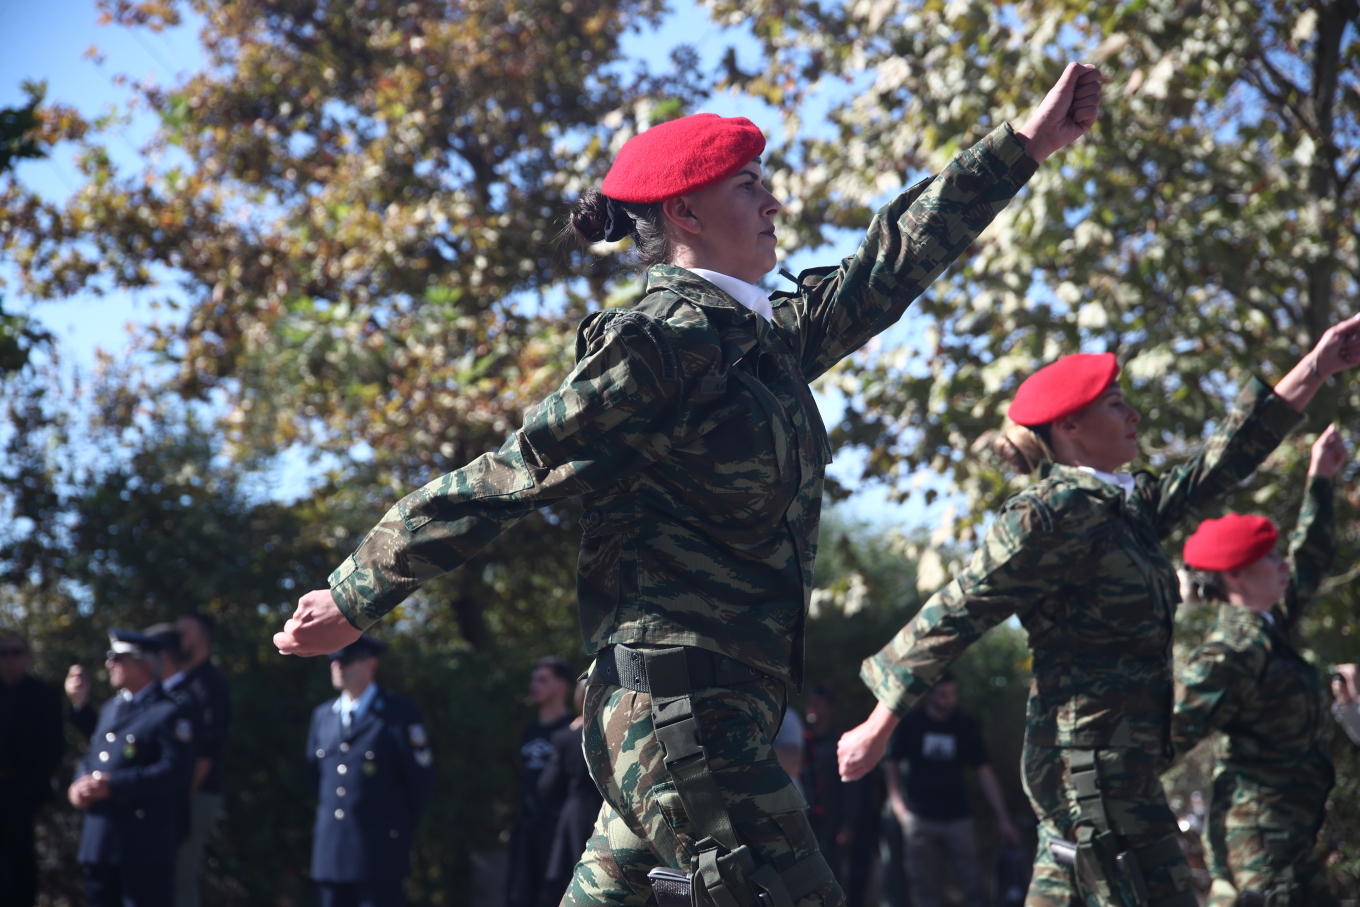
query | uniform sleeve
[313, 767]
[613, 415]
[169, 775]
[1312, 548]
[1348, 716]
[417, 761]
[216, 720]
[1026, 550]
[1214, 684]
[909, 243]
[1255, 427]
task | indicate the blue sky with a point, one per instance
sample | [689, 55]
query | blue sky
[48, 41]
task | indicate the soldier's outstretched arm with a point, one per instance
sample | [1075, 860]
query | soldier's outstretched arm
[916, 236]
[1212, 686]
[618, 411]
[1028, 549]
[1312, 544]
[1257, 424]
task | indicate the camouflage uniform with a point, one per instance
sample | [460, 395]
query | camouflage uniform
[1273, 771]
[690, 432]
[1085, 572]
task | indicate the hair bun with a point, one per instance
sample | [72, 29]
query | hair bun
[590, 216]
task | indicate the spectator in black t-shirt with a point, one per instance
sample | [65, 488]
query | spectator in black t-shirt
[926, 788]
[566, 779]
[536, 818]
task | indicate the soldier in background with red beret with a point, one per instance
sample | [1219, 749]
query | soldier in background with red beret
[1078, 558]
[1273, 768]
[690, 433]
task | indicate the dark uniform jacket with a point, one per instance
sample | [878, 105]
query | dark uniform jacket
[1274, 768]
[212, 701]
[145, 749]
[373, 781]
[31, 744]
[689, 429]
[1085, 572]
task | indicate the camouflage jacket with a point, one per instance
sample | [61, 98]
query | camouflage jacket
[1249, 682]
[1085, 572]
[688, 429]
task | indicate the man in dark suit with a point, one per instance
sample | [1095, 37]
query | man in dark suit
[133, 782]
[369, 757]
[31, 745]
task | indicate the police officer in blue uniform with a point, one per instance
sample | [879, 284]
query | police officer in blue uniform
[369, 758]
[133, 782]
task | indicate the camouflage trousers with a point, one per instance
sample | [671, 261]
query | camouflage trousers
[643, 823]
[1137, 809]
[1245, 823]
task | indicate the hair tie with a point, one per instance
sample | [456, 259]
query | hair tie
[618, 223]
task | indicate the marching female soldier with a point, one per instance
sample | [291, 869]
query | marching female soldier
[1274, 770]
[1078, 558]
[689, 430]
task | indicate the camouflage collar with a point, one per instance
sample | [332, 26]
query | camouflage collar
[1242, 617]
[1082, 479]
[684, 282]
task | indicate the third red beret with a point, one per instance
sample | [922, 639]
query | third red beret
[1067, 386]
[682, 156]
[1230, 542]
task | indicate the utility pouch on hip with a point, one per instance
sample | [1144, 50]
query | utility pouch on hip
[726, 873]
[1104, 865]
[1283, 890]
[671, 887]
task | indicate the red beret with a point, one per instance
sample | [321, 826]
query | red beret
[1067, 386]
[1230, 542]
[682, 156]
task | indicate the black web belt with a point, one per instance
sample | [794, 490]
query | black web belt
[627, 668]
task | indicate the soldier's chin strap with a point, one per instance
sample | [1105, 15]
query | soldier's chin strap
[1102, 858]
[727, 872]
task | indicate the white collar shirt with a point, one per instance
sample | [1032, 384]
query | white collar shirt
[351, 710]
[748, 294]
[1121, 480]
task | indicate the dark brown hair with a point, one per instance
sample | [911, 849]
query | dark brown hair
[590, 217]
[1024, 448]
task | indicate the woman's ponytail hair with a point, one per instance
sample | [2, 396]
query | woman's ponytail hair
[1201, 587]
[1023, 448]
[590, 221]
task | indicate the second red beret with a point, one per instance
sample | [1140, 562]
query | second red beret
[682, 156]
[1067, 386]
[1230, 542]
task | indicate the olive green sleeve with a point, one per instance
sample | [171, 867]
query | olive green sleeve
[1257, 424]
[1312, 548]
[1214, 685]
[614, 414]
[909, 243]
[1026, 551]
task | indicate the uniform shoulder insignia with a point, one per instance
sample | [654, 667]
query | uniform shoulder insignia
[424, 758]
[184, 731]
[418, 736]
